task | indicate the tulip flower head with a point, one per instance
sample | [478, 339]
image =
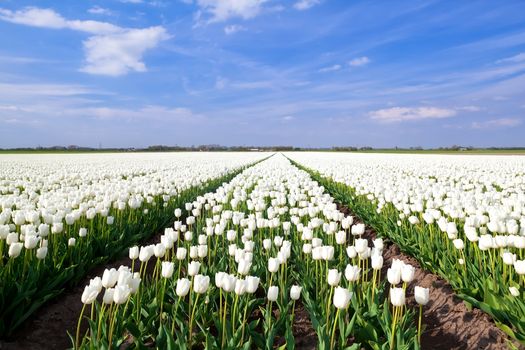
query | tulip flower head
[201, 284]
[421, 295]
[167, 269]
[397, 296]
[407, 273]
[252, 283]
[89, 295]
[183, 287]
[273, 265]
[134, 253]
[193, 268]
[334, 277]
[352, 273]
[394, 275]
[342, 298]
[295, 292]
[273, 293]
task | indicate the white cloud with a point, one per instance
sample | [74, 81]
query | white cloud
[400, 114]
[53, 111]
[131, 1]
[21, 60]
[154, 112]
[97, 10]
[47, 18]
[30, 91]
[288, 118]
[118, 54]
[35, 17]
[222, 10]
[233, 28]
[514, 59]
[333, 68]
[112, 50]
[260, 84]
[497, 123]
[158, 3]
[359, 61]
[220, 83]
[305, 4]
[469, 108]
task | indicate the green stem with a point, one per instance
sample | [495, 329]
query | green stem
[328, 305]
[333, 329]
[175, 316]
[161, 299]
[191, 320]
[112, 326]
[419, 324]
[243, 322]
[102, 309]
[394, 321]
[224, 320]
[78, 326]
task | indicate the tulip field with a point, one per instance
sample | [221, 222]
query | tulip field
[61, 215]
[247, 241]
[460, 217]
[228, 262]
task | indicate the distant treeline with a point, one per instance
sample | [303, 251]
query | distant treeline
[219, 148]
[154, 148]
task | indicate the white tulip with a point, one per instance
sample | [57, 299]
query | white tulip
[193, 268]
[352, 273]
[200, 284]
[397, 296]
[273, 293]
[295, 292]
[183, 287]
[167, 269]
[421, 295]
[334, 277]
[342, 298]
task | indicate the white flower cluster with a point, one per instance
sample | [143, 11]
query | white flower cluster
[480, 199]
[45, 194]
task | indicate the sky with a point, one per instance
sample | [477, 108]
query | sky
[309, 73]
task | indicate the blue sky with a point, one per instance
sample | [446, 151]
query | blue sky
[262, 72]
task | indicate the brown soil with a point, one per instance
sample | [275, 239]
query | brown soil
[303, 331]
[448, 323]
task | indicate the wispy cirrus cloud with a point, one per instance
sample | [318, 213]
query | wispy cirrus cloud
[496, 123]
[233, 28]
[302, 5]
[333, 68]
[513, 59]
[152, 112]
[112, 50]
[30, 91]
[97, 10]
[359, 61]
[223, 10]
[22, 60]
[469, 108]
[131, 1]
[402, 114]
